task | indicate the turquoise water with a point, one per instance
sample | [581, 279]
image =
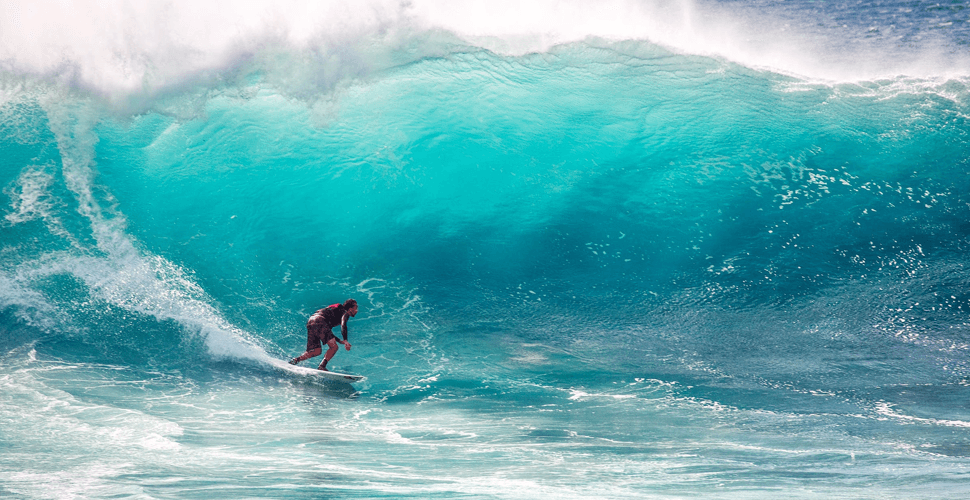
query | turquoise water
[653, 250]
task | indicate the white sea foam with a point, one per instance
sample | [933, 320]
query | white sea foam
[30, 199]
[127, 48]
[886, 409]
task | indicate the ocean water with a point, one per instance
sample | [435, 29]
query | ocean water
[654, 249]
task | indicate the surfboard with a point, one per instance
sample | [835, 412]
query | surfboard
[313, 372]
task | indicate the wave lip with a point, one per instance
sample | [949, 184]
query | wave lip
[123, 49]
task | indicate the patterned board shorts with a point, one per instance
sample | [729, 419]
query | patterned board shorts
[317, 334]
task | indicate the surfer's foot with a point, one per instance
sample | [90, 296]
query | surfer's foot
[323, 366]
[294, 361]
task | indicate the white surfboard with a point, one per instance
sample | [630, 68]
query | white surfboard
[313, 372]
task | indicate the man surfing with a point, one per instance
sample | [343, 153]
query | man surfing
[318, 331]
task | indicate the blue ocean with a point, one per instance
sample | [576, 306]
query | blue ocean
[615, 249]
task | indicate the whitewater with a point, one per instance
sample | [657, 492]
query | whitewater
[617, 249]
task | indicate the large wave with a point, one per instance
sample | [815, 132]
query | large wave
[560, 175]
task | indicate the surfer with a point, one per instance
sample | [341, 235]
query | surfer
[318, 331]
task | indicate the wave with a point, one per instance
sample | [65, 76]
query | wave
[665, 201]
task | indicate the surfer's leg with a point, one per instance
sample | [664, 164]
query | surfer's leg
[330, 352]
[313, 347]
[306, 355]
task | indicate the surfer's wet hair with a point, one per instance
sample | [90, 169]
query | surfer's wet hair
[350, 304]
